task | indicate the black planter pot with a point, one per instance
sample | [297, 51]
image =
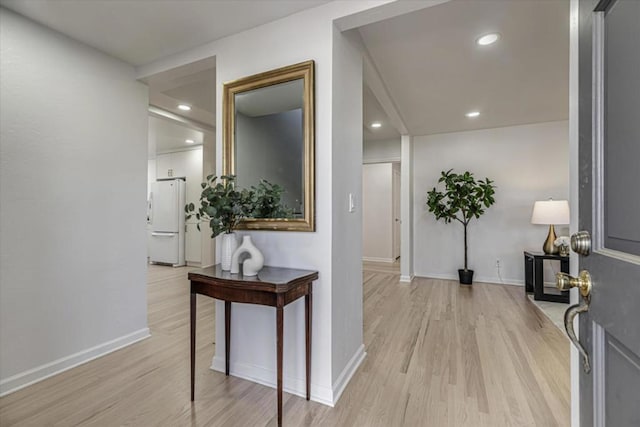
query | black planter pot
[466, 277]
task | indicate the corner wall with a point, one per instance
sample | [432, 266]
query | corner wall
[527, 163]
[73, 160]
[347, 340]
[300, 37]
[335, 248]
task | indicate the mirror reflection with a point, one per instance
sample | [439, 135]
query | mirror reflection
[269, 145]
[269, 141]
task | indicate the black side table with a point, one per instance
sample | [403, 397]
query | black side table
[534, 277]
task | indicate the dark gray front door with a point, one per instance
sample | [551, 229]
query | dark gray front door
[610, 209]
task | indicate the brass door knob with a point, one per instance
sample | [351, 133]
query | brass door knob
[564, 282]
[581, 243]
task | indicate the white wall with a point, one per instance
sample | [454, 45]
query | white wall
[406, 210]
[73, 156]
[377, 212]
[527, 163]
[253, 354]
[207, 257]
[387, 150]
[346, 240]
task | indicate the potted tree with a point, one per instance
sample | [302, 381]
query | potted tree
[463, 198]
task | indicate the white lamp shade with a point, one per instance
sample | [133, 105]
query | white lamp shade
[550, 212]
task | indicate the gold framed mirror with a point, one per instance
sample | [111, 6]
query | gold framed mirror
[269, 134]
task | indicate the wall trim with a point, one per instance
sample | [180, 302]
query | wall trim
[597, 357]
[375, 259]
[483, 279]
[179, 150]
[261, 375]
[348, 372]
[407, 279]
[40, 373]
[168, 115]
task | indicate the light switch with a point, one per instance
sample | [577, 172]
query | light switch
[352, 203]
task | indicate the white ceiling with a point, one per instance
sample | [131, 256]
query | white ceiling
[142, 31]
[435, 72]
[167, 135]
[373, 112]
[428, 60]
[193, 84]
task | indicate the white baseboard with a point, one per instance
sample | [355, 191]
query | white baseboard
[374, 259]
[347, 373]
[292, 385]
[264, 376]
[483, 279]
[406, 279]
[37, 374]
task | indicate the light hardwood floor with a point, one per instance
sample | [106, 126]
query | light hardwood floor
[439, 354]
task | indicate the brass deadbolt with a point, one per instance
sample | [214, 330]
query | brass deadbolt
[581, 243]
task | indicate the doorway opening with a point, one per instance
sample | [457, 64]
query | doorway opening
[182, 118]
[381, 212]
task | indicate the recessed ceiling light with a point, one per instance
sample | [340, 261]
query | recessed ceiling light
[488, 39]
[376, 125]
[473, 114]
[189, 141]
[184, 107]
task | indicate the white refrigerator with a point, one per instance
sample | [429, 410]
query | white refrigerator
[166, 218]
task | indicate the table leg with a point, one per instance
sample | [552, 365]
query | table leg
[193, 343]
[279, 327]
[538, 279]
[528, 274]
[227, 335]
[308, 306]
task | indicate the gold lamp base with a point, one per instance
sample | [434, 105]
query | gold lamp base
[549, 247]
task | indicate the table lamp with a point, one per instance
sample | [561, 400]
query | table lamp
[550, 212]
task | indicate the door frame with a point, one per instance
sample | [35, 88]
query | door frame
[396, 193]
[574, 143]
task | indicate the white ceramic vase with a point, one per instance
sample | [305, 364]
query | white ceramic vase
[251, 265]
[229, 246]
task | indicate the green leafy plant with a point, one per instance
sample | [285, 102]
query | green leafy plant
[266, 200]
[221, 205]
[224, 207]
[463, 198]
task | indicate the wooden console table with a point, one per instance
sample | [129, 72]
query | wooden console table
[273, 286]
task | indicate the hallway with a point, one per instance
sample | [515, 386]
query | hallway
[438, 354]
